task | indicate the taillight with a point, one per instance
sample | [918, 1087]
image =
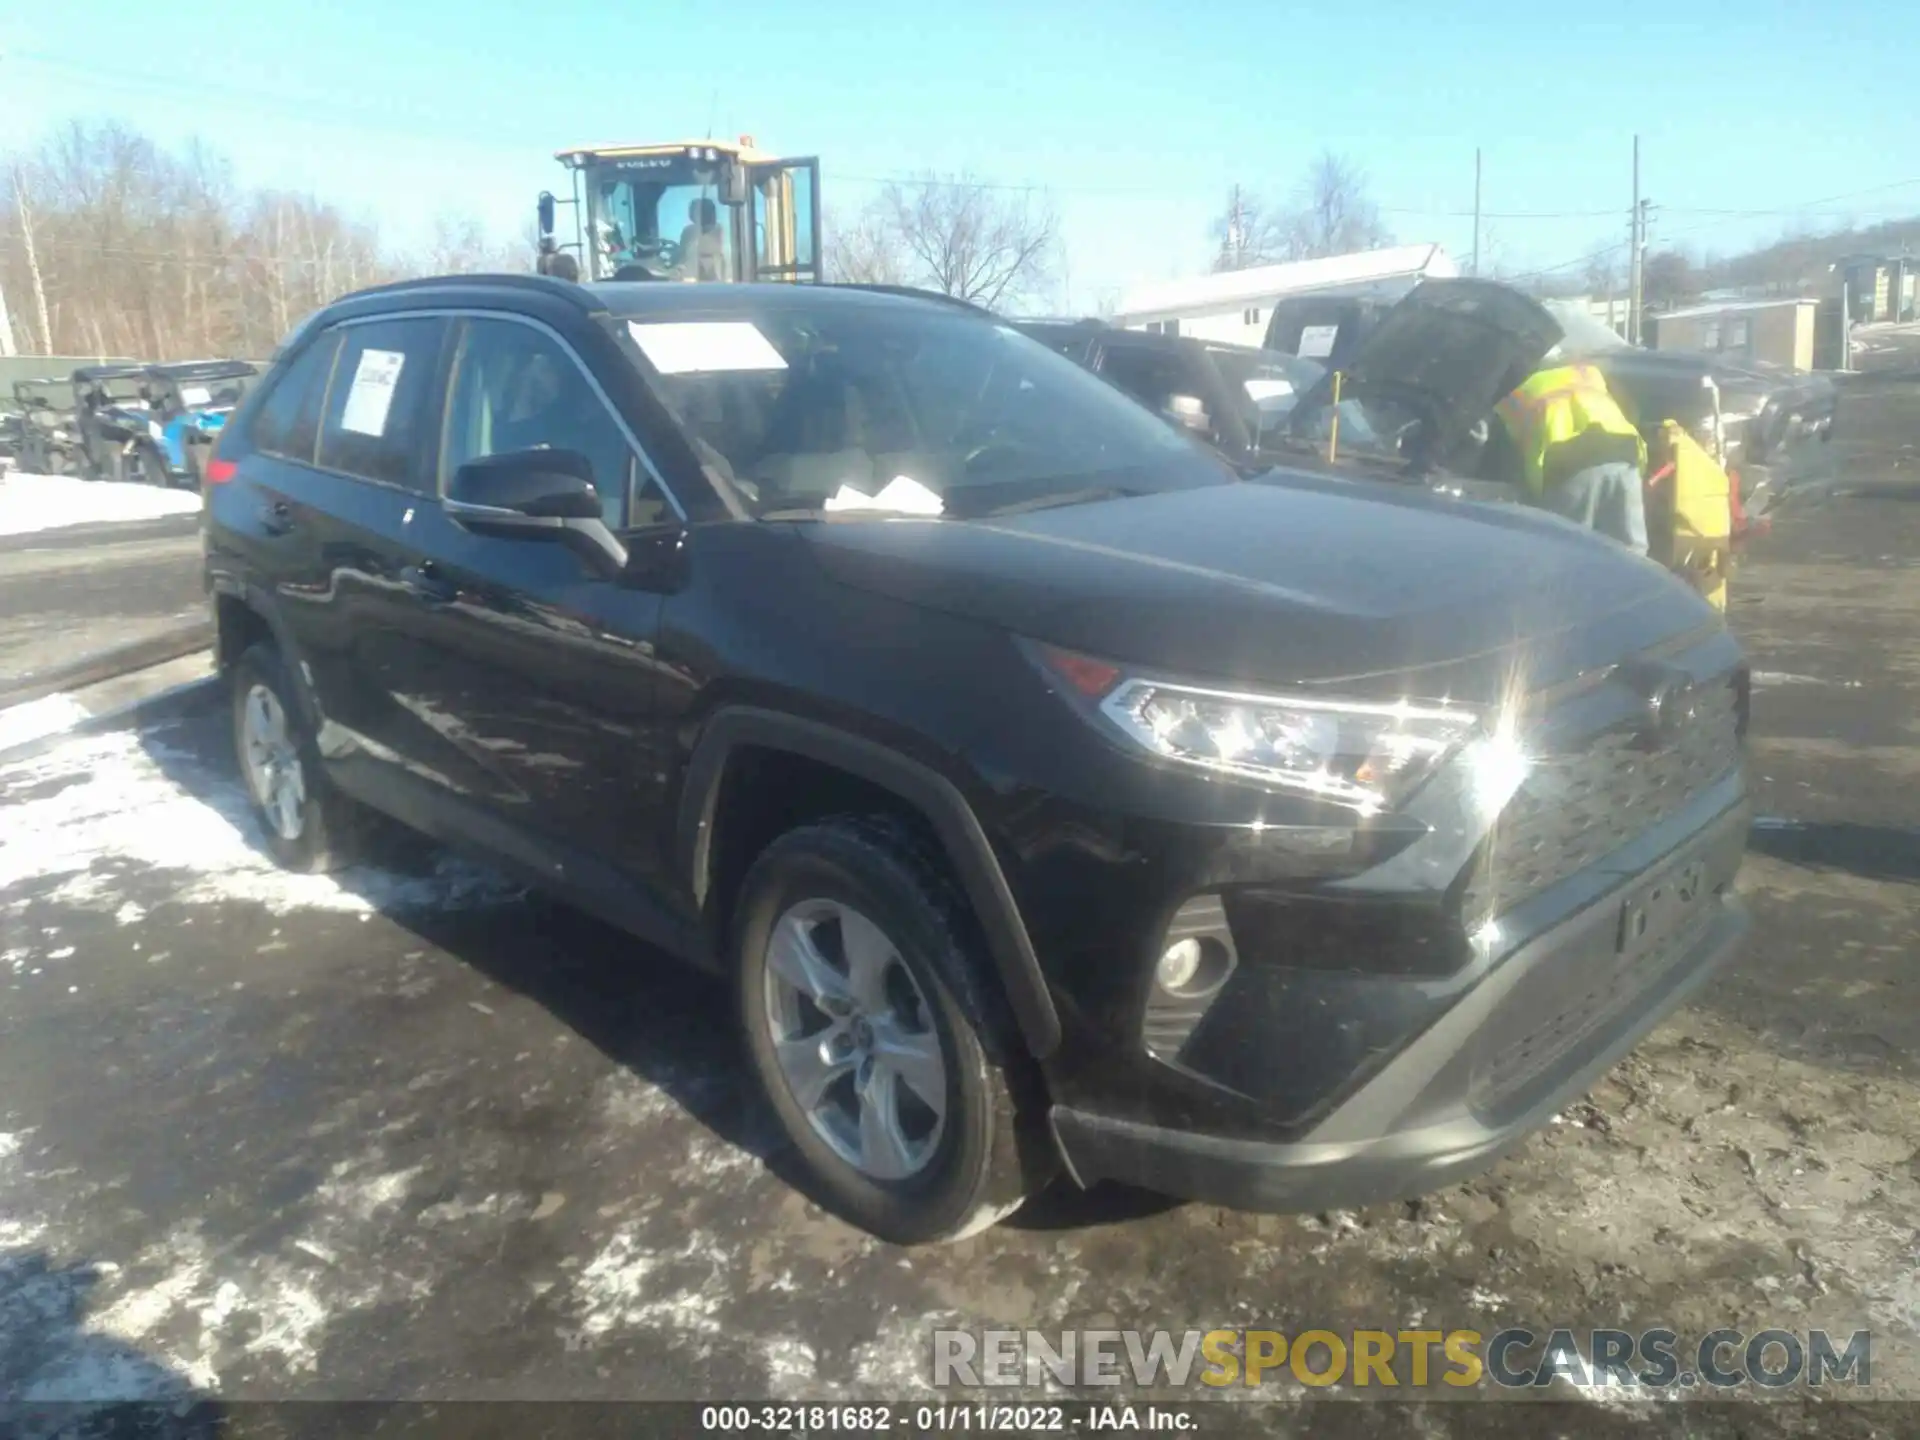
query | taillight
[220, 471]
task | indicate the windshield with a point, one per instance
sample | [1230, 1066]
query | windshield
[1585, 331]
[662, 215]
[906, 407]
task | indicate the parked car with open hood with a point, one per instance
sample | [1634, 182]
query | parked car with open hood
[1768, 425]
[1053, 798]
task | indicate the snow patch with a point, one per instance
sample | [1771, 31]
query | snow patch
[791, 1367]
[32, 503]
[1781, 677]
[614, 1292]
[363, 1199]
[112, 801]
[37, 719]
[896, 1361]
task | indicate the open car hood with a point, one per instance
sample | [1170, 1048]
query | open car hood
[1450, 350]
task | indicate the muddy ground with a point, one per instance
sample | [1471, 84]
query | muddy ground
[406, 1133]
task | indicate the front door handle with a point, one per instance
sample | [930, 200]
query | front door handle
[276, 517]
[424, 580]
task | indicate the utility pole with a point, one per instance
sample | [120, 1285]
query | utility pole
[1637, 239]
[1476, 211]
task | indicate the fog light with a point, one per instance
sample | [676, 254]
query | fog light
[1180, 964]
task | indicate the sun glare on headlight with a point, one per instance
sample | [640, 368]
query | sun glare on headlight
[1497, 765]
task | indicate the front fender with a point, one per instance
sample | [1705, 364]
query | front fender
[961, 837]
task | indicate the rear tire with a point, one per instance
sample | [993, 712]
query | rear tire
[853, 957]
[305, 823]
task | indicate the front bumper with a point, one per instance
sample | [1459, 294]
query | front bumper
[1532, 1036]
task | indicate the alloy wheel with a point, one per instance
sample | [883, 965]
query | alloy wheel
[854, 1039]
[273, 763]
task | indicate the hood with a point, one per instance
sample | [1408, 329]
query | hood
[1381, 589]
[1450, 349]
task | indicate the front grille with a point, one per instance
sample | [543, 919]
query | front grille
[1574, 810]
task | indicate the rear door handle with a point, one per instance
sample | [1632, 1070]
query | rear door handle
[424, 581]
[276, 517]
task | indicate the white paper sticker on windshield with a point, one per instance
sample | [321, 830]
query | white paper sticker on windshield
[1316, 341]
[372, 393]
[195, 395]
[703, 346]
[1267, 389]
[903, 495]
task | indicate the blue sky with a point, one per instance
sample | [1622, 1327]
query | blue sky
[1134, 115]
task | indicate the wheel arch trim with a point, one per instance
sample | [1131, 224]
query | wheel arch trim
[936, 798]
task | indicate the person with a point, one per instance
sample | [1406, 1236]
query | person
[563, 266]
[703, 244]
[1579, 453]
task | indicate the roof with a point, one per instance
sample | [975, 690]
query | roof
[110, 372]
[1264, 281]
[738, 149]
[633, 298]
[1734, 307]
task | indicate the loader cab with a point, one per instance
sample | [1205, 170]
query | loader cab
[700, 211]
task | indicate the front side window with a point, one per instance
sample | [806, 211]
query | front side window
[376, 422]
[795, 403]
[517, 388]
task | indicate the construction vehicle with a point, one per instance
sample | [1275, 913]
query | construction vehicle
[695, 210]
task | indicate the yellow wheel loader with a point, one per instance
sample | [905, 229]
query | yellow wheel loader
[707, 211]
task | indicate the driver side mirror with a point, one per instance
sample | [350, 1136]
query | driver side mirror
[544, 209]
[536, 495]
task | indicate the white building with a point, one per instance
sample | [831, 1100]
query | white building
[1235, 305]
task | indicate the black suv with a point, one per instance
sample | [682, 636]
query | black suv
[1053, 798]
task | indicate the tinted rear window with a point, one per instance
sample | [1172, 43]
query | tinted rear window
[289, 418]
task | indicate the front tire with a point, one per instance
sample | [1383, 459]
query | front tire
[876, 1049]
[305, 823]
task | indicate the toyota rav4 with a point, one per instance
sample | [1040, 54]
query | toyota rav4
[1054, 799]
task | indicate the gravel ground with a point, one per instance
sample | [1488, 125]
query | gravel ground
[407, 1133]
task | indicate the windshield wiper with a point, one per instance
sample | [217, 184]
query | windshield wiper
[1051, 502]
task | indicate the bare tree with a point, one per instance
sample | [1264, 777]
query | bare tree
[1667, 278]
[868, 252]
[1245, 234]
[1331, 213]
[956, 235]
[23, 208]
[131, 249]
[460, 245]
[1602, 274]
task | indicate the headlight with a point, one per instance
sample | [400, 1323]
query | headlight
[1353, 752]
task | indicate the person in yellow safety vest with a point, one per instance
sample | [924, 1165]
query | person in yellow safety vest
[1580, 454]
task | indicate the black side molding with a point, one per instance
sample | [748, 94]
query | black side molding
[930, 793]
